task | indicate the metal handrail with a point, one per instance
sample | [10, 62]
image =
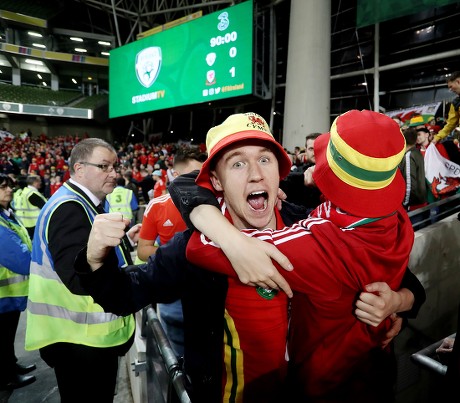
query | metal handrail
[435, 211]
[437, 203]
[424, 358]
[173, 368]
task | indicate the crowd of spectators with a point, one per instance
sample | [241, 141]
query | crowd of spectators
[21, 156]
[421, 129]
[47, 157]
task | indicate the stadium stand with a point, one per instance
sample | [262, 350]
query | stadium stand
[37, 96]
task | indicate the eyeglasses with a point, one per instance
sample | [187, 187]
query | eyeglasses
[103, 167]
[6, 185]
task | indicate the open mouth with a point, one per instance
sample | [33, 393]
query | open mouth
[258, 200]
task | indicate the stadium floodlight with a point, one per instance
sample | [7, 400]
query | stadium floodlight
[33, 61]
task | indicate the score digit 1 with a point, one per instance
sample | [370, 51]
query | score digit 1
[232, 53]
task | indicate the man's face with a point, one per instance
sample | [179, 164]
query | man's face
[95, 179]
[310, 151]
[6, 194]
[454, 86]
[248, 176]
[422, 137]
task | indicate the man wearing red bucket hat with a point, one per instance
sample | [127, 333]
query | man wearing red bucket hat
[244, 165]
[360, 235]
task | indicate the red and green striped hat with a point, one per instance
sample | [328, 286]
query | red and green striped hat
[357, 163]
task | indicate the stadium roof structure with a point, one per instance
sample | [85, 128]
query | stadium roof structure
[49, 29]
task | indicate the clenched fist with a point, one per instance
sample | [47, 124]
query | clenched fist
[106, 233]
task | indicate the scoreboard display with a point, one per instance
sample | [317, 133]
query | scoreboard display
[203, 60]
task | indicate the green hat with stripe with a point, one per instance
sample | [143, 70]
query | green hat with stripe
[357, 164]
[420, 120]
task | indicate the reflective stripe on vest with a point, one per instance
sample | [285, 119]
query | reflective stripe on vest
[120, 201]
[54, 314]
[13, 284]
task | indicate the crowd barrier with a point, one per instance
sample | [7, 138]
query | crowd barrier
[444, 365]
[156, 374]
[427, 358]
[161, 351]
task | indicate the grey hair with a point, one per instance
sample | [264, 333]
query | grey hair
[84, 149]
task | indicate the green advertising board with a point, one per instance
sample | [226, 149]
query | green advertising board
[203, 60]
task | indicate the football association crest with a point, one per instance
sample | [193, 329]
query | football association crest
[210, 77]
[148, 64]
[210, 58]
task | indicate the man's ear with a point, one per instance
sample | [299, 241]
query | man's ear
[215, 181]
[77, 167]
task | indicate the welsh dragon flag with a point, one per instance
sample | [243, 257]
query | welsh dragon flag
[442, 174]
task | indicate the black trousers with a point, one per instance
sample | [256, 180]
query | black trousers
[84, 374]
[8, 326]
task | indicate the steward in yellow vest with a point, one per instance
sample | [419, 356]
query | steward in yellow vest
[80, 341]
[122, 200]
[14, 286]
[29, 202]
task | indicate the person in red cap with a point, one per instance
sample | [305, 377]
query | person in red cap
[249, 163]
[360, 235]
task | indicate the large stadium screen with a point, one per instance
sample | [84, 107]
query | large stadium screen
[203, 60]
